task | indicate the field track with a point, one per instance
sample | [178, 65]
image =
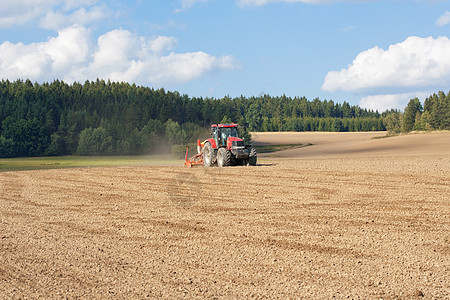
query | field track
[348, 216]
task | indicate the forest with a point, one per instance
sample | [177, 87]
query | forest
[111, 118]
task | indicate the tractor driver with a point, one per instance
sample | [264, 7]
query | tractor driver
[224, 138]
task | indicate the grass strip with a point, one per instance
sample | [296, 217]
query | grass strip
[59, 162]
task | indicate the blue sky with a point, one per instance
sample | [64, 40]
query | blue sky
[376, 54]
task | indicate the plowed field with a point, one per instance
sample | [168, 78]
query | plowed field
[347, 217]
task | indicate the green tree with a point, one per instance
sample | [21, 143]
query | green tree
[95, 142]
[7, 147]
[57, 145]
[338, 126]
[409, 117]
[392, 122]
[174, 134]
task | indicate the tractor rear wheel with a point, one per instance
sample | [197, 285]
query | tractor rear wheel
[207, 155]
[223, 157]
[252, 157]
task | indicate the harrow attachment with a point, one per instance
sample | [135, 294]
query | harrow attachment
[196, 160]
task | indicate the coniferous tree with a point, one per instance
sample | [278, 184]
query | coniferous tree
[414, 106]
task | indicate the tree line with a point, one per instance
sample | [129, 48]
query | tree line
[105, 118]
[433, 115]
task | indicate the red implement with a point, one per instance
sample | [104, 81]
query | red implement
[195, 160]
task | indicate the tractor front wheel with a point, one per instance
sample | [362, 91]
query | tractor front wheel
[252, 157]
[223, 157]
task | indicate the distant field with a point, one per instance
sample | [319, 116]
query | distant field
[38, 163]
[353, 144]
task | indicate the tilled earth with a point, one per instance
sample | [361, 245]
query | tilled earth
[344, 226]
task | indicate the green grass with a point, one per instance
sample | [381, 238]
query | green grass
[59, 162]
[385, 136]
[281, 147]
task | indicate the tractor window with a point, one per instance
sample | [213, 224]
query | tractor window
[229, 131]
[225, 132]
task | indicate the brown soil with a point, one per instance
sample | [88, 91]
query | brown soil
[347, 217]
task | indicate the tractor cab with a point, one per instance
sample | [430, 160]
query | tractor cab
[220, 133]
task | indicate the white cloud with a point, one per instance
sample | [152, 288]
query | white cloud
[187, 66]
[162, 44]
[186, 4]
[348, 28]
[393, 101]
[264, 2]
[444, 19]
[45, 61]
[68, 50]
[118, 55]
[390, 78]
[122, 56]
[116, 50]
[82, 16]
[19, 12]
[409, 65]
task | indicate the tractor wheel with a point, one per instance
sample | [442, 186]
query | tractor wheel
[223, 157]
[208, 155]
[252, 157]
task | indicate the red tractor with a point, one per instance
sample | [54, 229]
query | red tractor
[224, 148]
